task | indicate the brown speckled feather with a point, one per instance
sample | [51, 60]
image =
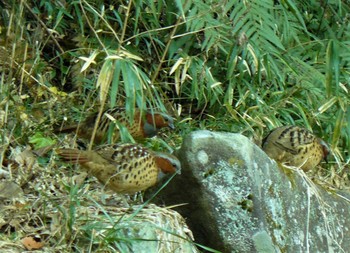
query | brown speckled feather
[295, 146]
[125, 168]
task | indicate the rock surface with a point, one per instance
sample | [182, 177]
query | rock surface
[238, 200]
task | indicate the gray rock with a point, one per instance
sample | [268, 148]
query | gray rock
[239, 200]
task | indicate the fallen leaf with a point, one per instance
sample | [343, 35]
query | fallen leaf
[26, 158]
[32, 243]
[10, 190]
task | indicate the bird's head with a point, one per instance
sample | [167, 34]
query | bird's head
[167, 164]
[160, 120]
[155, 121]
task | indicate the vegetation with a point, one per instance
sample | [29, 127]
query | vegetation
[236, 66]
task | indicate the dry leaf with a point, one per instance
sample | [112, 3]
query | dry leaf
[10, 190]
[80, 178]
[32, 243]
[26, 158]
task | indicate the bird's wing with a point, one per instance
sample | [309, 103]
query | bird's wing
[294, 139]
[120, 152]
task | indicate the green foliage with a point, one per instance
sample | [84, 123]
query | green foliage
[287, 59]
[40, 141]
[265, 63]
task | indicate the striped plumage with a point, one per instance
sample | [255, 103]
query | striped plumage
[295, 146]
[124, 168]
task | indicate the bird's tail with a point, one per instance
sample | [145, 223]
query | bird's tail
[73, 155]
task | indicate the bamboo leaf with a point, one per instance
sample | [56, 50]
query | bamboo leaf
[338, 128]
[329, 68]
[105, 78]
[88, 60]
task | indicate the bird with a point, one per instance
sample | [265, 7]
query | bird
[144, 124]
[124, 168]
[295, 146]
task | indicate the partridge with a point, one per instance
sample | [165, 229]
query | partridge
[124, 168]
[144, 125]
[295, 146]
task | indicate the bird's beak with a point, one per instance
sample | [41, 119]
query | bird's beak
[178, 172]
[171, 126]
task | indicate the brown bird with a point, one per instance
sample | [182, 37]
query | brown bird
[124, 168]
[295, 146]
[144, 125]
